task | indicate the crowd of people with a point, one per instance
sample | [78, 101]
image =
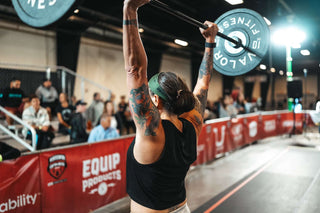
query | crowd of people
[100, 121]
[229, 105]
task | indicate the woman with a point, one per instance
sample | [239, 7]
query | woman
[168, 122]
[115, 120]
[64, 113]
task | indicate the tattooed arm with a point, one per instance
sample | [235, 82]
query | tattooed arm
[205, 72]
[150, 134]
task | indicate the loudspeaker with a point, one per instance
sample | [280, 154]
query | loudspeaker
[294, 89]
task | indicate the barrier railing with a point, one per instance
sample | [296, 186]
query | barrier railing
[16, 137]
[85, 177]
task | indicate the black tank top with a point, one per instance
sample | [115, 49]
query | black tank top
[161, 185]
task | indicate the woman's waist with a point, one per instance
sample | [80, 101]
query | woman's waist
[137, 208]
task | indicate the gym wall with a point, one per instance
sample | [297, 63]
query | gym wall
[24, 45]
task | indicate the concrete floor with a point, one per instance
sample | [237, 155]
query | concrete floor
[213, 180]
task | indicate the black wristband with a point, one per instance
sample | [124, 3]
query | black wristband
[210, 45]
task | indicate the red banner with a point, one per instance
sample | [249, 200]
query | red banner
[220, 137]
[236, 132]
[20, 185]
[268, 126]
[251, 131]
[84, 178]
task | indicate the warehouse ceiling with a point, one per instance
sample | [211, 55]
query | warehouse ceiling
[102, 19]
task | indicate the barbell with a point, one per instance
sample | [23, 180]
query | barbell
[242, 40]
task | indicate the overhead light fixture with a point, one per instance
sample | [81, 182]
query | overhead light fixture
[267, 21]
[263, 67]
[291, 36]
[272, 69]
[76, 11]
[281, 72]
[141, 30]
[289, 74]
[234, 2]
[181, 43]
[305, 52]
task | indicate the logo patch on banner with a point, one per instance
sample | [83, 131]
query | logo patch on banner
[57, 165]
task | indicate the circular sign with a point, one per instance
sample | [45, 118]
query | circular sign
[251, 29]
[102, 189]
[42, 13]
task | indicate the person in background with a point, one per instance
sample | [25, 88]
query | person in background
[12, 98]
[223, 107]
[103, 131]
[48, 96]
[38, 118]
[240, 103]
[78, 123]
[115, 118]
[122, 108]
[318, 110]
[64, 113]
[95, 110]
[8, 152]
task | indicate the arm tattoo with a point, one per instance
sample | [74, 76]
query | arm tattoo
[206, 65]
[202, 97]
[146, 114]
[130, 22]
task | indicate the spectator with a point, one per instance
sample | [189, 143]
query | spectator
[317, 108]
[115, 118]
[240, 103]
[226, 107]
[7, 152]
[122, 108]
[78, 124]
[12, 99]
[38, 118]
[64, 113]
[95, 110]
[48, 96]
[104, 131]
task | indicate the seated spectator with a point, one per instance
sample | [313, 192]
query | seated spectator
[95, 110]
[115, 118]
[7, 152]
[122, 108]
[48, 96]
[12, 99]
[226, 107]
[64, 113]
[104, 131]
[78, 123]
[240, 103]
[38, 118]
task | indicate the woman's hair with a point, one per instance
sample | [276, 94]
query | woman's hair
[179, 98]
[105, 106]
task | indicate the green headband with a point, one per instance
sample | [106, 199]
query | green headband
[155, 87]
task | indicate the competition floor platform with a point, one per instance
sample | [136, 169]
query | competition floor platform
[278, 174]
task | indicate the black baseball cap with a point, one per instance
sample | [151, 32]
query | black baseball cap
[80, 102]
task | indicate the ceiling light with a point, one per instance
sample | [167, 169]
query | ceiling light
[141, 30]
[76, 11]
[234, 2]
[273, 69]
[288, 36]
[281, 72]
[289, 74]
[180, 42]
[305, 52]
[267, 21]
[263, 67]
